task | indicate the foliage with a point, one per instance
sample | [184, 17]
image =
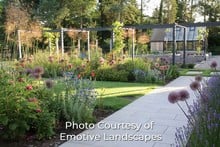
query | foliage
[54, 65]
[118, 37]
[78, 100]
[21, 110]
[168, 11]
[203, 115]
[111, 74]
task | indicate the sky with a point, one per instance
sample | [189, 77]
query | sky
[148, 7]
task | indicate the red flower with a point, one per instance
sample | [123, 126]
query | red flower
[78, 76]
[93, 74]
[38, 110]
[29, 87]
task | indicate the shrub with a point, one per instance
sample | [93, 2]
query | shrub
[111, 74]
[21, 110]
[140, 75]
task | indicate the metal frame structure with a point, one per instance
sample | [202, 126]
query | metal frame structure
[134, 27]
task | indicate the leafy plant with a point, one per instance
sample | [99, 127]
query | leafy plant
[21, 109]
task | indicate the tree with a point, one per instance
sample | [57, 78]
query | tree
[167, 11]
[185, 11]
[125, 11]
[209, 9]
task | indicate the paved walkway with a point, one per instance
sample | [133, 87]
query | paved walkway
[206, 64]
[154, 117]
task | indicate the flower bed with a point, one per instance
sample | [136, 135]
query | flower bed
[203, 116]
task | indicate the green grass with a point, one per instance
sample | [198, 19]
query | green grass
[205, 72]
[115, 95]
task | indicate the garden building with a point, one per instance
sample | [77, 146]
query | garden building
[162, 39]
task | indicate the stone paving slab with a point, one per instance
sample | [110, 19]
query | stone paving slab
[158, 120]
[206, 64]
[194, 73]
[214, 73]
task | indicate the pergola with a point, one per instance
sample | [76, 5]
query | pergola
[135, 27]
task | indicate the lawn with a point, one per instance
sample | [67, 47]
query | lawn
[115, 95]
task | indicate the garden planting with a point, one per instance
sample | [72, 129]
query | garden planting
[39, 93]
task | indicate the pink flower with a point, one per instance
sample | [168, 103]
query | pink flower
[195, 85]
[213, 64]
[173, 97]
[183, 95]
[29, 87]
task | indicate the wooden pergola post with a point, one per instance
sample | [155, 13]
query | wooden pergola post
[19, 44]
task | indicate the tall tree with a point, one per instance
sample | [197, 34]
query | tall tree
[209, 9]
[167, 11]
[125, 11]
[185, 11]
[160, 13]
[170, 11]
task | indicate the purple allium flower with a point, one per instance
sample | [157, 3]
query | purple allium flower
[183, 95]
[39, 70]
[213, 64]
[173, 97]
[49, 83]
[36, 75]
[28, 71]
[198, 78]
[195, 85]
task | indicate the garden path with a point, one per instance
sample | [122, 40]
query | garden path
[151, 109]
[206, 64]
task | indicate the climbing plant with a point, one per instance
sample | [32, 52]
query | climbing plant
[118, 38]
